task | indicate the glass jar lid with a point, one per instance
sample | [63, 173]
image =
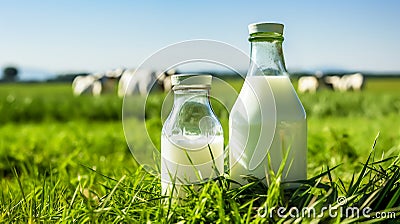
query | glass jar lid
[201, 81]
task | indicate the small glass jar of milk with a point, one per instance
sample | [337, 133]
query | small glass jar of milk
[192, 144]
[268, 118]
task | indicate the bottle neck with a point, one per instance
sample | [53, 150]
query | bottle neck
[266, 57]
[182, 96]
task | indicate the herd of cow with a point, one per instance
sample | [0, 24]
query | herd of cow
[344, 83]
[132, 81]
[123, 81]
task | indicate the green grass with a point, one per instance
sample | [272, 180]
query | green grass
[54, 102]
[64, 159]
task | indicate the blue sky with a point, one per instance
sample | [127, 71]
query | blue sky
[74, 35]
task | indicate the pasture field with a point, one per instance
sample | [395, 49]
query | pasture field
[65, 159]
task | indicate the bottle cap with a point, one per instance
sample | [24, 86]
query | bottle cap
[191, 79]
[266, 27]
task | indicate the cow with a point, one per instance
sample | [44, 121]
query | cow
[307, 84]
[353, 81]
[141, 81]
[335, 82]
[110, 80]
[89, 84]
[136, 82]
[346, 82]
[164, 79]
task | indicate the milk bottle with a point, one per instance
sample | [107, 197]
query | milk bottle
[192, 144]
[268, 117]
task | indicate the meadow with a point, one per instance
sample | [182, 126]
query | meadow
[65, 159]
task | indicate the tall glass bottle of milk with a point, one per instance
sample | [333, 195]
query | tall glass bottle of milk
[192, 141]
[268, 117]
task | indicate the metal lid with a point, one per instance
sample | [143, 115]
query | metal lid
[266, 27]
[191, 80]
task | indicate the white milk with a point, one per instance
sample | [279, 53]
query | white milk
[254, 119]
[176, 167]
